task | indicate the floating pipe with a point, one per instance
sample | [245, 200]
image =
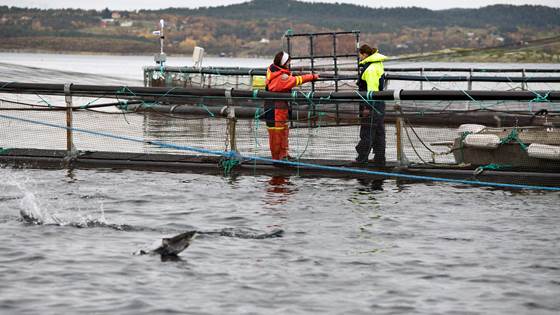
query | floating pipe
[174, 95]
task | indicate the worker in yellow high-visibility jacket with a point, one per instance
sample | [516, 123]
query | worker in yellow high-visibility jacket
[372, 116]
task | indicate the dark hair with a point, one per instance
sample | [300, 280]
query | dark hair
[365, 49]
[278, 59]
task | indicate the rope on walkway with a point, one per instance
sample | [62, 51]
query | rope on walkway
[514, 137]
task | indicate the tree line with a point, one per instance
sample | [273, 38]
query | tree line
[256, 27]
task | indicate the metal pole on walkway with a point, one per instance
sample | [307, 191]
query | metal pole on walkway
[421, 82]
[69, 138]
[232, 121]
[401, 157]
[524, 82]
[398, 128]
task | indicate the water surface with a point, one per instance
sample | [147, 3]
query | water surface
[349, 246]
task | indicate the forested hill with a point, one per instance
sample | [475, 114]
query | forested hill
[347, 16]
[255, 28]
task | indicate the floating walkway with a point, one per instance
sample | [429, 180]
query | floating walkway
[58, 159]
[224, 141]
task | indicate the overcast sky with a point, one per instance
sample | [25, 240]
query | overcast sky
[156, 4]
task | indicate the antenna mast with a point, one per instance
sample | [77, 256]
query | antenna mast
[161, 57]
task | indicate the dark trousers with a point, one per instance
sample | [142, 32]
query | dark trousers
[372, 133]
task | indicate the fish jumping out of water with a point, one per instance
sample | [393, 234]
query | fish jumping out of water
[172, 246]
[31, 217]
[37, 217]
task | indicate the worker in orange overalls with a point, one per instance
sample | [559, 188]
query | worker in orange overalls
[277, 113]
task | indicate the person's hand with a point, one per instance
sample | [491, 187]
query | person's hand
[315, 77]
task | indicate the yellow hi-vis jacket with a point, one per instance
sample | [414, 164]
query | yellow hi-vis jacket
[373, 72]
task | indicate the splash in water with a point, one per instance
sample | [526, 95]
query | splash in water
[30, 209]
[34, 210]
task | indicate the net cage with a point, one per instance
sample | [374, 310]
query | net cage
[462, 138]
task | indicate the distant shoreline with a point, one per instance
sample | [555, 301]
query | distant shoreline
[97, 53]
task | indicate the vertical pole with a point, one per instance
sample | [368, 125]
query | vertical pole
[289, 47]
[422, 80]
[398, 129]
[470, 80]
[357, 33]
[311, 54]
[68, 98]
[145, 77]
[232, 122]
[523, 83]
[401, 157]
[335, 61]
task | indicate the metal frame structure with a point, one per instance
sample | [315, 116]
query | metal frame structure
[334, 56]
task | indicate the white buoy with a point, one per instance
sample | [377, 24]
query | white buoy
[482, 141]
[544, 151]
[470, 128]
[198, 55]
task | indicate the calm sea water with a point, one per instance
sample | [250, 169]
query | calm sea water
[349, 246]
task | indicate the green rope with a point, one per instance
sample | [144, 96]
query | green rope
[123, 105]
[44, 101]
[298, 157]
[230, 160]
[89, 103]
[469, 96]
[294, 95]
[540, 98]
[309, 96]
[123, 89]
[168, 91]
[206, 109]
[491, 167]
[5, 85]
[369, 96]
[147, 104]
[494, 166]
[256, 133]
[143, 104]
[513, 137]
[326, 98]
[228, 165]
[4, 150]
